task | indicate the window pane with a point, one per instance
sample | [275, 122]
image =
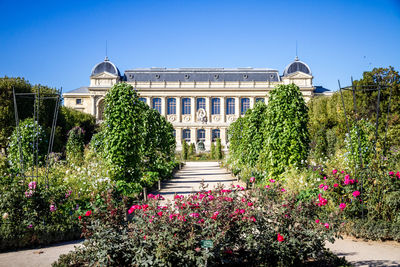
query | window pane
[157, 104]
[215, 134]
[245, 105]
[201, 135]
[260, 99]
[143, 99]
[171, 106]
[186, 135]
[185, 106]
[230, 106]
[216, 104]
[201, 103]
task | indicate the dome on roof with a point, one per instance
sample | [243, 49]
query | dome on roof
[105, 66]
[297, 65]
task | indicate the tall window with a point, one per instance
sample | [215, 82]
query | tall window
[174, 133]
[171, 106]
[143, 99]
[245, 105]
[260, 99]
[215, 104]
[186, 135]
[157, 104]
[230, 106]
[185, 106]
[201, 135]
[201, 103]
[215, 134]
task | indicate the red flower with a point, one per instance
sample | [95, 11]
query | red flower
[249, 204]
[88, 213]
[316, 221]
[80, 217]
[335, 185]
[160, 213]
[280, 238]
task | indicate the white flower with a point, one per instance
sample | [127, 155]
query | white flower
[5, 216]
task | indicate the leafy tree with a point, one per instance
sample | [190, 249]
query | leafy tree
[124, 127]
[192, 149]
[286, 136]
[212, 151]
[184, 152]
[218, 149]
[27, 133]
[7, 119]
[75, 145]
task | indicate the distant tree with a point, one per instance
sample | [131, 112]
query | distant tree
[192, 149]
[75, 145]
[212, 150]
[184, 152]
[218, 150]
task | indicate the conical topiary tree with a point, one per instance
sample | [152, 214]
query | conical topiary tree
[286, 136]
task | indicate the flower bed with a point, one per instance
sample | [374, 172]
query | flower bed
[261, 226]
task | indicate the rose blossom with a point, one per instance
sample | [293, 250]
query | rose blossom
[53, 208]
[280, 238]
[321, 185]
[342, 206]
[335, 185]
[272, 180]
[326, 225]
[334, 171]
[32, 185]
[356, 193]
[326, 187]
[391, 173]
[88, 213]
[283, 190]
[252, 179]
[398, 175]
[316, 221]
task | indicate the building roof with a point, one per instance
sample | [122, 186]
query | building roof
[80, 90]
[105, 66]
[201, 75]
[322, 90]
[295, 66]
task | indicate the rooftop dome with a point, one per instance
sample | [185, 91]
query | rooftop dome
[296, 65]
[105, 66]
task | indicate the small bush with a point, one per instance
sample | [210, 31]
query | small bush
[75, 145]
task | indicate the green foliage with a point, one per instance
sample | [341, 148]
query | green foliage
[184, 152]
[124, 127]
[7, 119]
[75, 145]
[218, 150]
[213, 151]
[192, 149]
[27, 133]
[97, 142]
[286, 136]
[244, 227]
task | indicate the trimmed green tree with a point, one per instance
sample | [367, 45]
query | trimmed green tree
[123, 138]
[192, 149]
[184, 152]
[218, 149]
[286, 136]
[75, 145]
[212, 151]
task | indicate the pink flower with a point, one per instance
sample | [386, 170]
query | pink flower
[150, 196]
[200, 221]
[32, 185]
[347, 177]
[80, 217]
[391, 173]
[326, 225]
[267, 186]
[144, 237]
[324, 177]
[211, 197]
[249, 204]
[243, 200]
[334, 171]
[178, 197]
[356, 193]
[252, 179]
[158, 196]
[316, 221]
[326, 187]
[229, 199]
[280, 238]
[321, 185]
[342, 206]
[30, 226]
[194, 215]
[253, 218]
[53, 208]
[272, 180]
[242, 211]
[28, 193]
[283, 190]
[160, 213]
[88, 213]
[398, 174]
[342, 172]
[214, 217]
[322, 201]
[172, 216]
[335, 185]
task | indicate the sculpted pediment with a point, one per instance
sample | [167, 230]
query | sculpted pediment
[299, 75]
[104, 75]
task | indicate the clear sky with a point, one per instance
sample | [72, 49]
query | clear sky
[56, 43]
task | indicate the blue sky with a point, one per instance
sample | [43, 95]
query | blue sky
[56, 43]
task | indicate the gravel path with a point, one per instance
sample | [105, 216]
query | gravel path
[186, 181]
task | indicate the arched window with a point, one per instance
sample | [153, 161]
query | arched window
[201, 135]
[185, 106]
[171, 106]
[216, 105]
[157, 104]
[201, 103]
[245, 105]
[260, 99]
[215, 134]
[186, 135]
[230, 106]
[143, 99]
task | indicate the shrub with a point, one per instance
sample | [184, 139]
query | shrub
[184, 152]
[27, 133]
[212, 151]
[218, 150]
[192, 150]
[75, 145]
[286, 134]
[246, 227]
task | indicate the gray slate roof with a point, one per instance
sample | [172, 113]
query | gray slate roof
[201, 75]
[80, 90]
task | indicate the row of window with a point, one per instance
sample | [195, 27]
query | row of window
[201, 103]
[201, 135]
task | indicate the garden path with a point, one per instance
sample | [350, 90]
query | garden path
[186, 181]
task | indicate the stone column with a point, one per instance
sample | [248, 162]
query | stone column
[222, 108]
[163, 106]
[193, 108]
[237, 106]
[193, 135]
[178, 109]
[252, 102]
[149, 99]
[94, 106]
[208, 109]
[222, 132]
[207, 143]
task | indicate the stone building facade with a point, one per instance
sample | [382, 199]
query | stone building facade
[200, 103]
